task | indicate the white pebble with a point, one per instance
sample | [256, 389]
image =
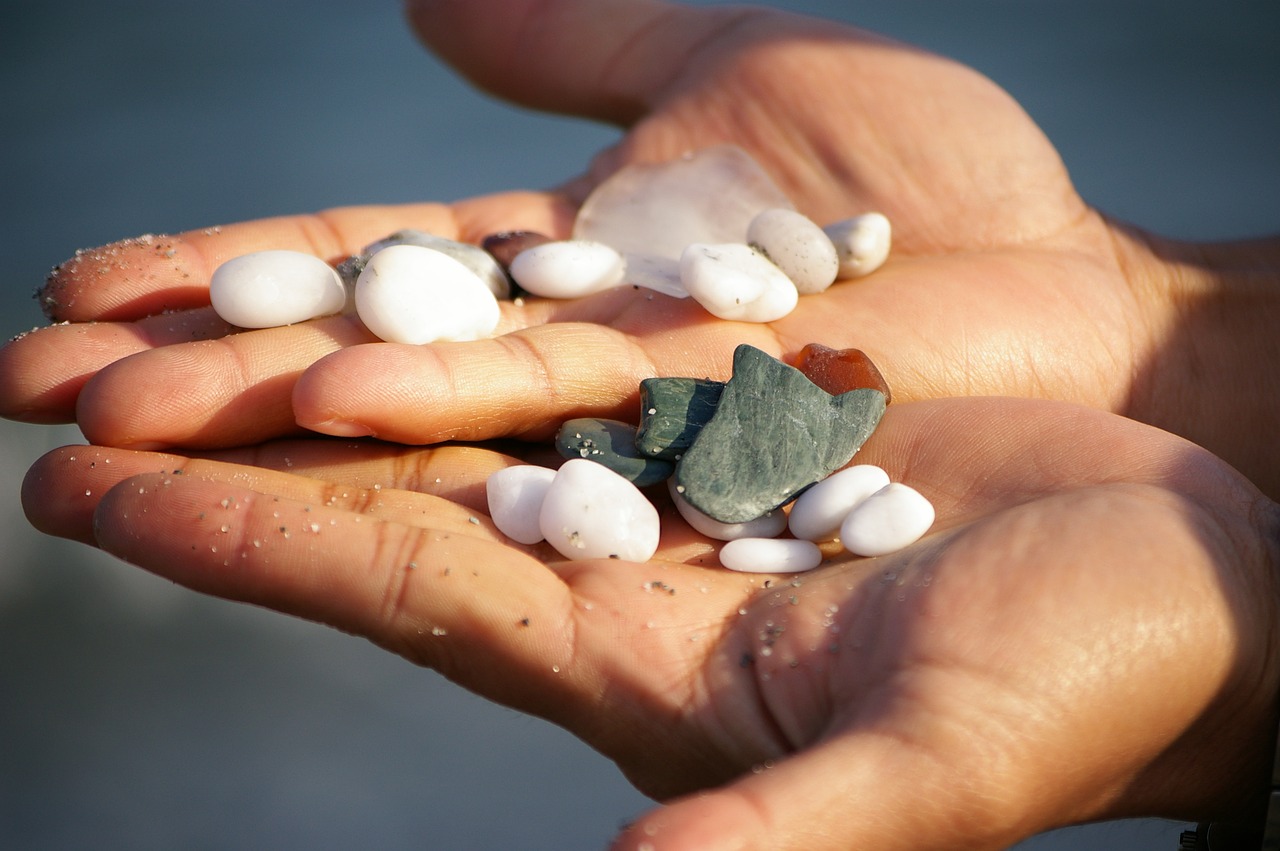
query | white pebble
[862, 243]
[515, 497]
[736, 282]
[893, 517]
[817, 514]
[270, 288]
[797, 246]
[473, 257]
[770, 555]
[589, 512]
[416, 295]
[568, 269]
[767, 526]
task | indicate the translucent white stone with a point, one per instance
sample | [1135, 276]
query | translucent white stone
[568, 269]
[660, 274]
[797, 246]
[893, 517]
[515, 496]
[659, 208]
[734, 281]
[766, 526]
[416, 295]
[770, 555]
[862, 243]
[590, 512]
[817, 514]
[270, 288]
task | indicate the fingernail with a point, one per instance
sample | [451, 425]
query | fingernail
[340, 428]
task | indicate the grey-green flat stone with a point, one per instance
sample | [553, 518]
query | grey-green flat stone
[672, 412]
[773, 434]
[613, 444]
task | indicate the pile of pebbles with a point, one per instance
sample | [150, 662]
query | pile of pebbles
[594, 505]
[710, 226]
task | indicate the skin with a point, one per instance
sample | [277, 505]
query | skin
[1089, 631]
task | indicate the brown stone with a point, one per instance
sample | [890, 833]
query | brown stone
[505, 245]
[841, 370]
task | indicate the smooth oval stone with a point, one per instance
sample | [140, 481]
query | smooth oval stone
[817, 514]
[613, 444]
[515, 496]
[416, 295]
[774, 433]
[767, 525]
[568, 269]
[473, 257]
[862, 243]
[736, 282]
[672, 412]
[893, 517]
[590, 512]
[841, 370]
[797, 246]
[770, 555]
[266, 289]
[505, 245]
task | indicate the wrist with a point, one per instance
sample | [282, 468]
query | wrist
[1210, 373]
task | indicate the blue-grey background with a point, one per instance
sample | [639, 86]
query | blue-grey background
[134, 714]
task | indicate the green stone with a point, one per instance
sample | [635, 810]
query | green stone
[613, 444]
[773, 434]
[672, 412]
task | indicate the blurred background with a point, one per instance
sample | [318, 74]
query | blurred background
[135, 714]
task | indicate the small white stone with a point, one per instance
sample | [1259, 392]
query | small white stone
[410, 294]
[893, 517]
[767, 526]
[770, 555]
[473, 257]
[736, 282]
[862, 243]
[270, 288]
[797, 246]
[817, 514]
[568, 269]
[515, 497]
[591, 512]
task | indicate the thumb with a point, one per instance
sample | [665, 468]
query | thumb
[602, 59]
[862, 791]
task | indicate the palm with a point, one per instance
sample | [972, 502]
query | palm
[992, 249]
[930, 686]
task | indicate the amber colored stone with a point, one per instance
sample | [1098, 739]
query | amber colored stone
[841, 370]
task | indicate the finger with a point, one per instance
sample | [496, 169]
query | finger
[522, 384]
[866, 791]
[43, 371]
[604, 60]
[225, 392]
[63, 488]
[480, 612]
[151, 274]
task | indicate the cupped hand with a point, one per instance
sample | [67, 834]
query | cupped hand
[1002, 280]
[1088, 632]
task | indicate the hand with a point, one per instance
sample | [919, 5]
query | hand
[1003, 281]
[1089, 631]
